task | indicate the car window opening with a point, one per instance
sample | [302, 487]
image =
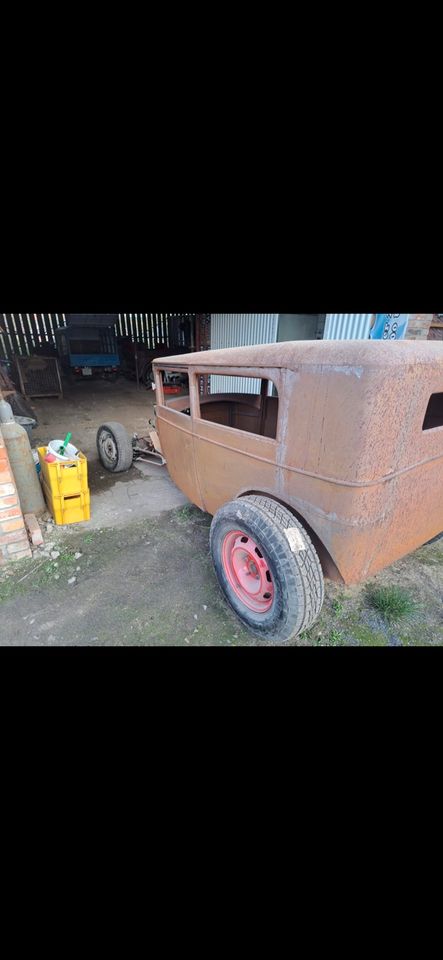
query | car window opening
[175, 385]
[248, 404]
[434, 413]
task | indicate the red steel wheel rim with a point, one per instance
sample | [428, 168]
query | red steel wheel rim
[248, 571]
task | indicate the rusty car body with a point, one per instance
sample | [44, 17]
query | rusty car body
[349, 440]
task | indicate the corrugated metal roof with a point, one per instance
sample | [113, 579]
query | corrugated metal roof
[347, 326]
[238, 330]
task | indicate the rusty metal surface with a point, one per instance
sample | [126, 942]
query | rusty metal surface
[350, 455]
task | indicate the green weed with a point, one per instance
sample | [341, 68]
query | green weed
[393, 603]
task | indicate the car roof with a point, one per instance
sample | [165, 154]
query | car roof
[291, 354]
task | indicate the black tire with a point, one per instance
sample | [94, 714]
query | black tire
[114, 447]
[293, 563]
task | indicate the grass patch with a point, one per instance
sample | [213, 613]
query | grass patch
[337, 605]
[189, 513]
[335, 637]
[393, 603]
[366, 637]
[29, 576]
[431, 556]
[8, 588]
[185, 512]
[66, 566]
[11, 583]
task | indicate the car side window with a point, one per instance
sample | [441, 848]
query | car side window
[175, 387]
[242, 403]
[434, 412]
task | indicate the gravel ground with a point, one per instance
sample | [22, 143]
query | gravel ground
[152, 583]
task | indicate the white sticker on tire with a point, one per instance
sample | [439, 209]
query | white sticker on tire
[295, 539]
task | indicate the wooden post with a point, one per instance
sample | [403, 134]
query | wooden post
[136, 365]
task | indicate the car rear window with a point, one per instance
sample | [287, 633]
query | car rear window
[434, 413]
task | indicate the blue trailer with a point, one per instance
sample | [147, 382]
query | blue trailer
[88, 350]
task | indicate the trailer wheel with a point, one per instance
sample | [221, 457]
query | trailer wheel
[114, 447]
[267, 567]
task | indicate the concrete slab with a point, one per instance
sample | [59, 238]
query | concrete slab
[143, 491]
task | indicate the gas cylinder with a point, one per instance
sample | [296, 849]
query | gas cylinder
[22, 462]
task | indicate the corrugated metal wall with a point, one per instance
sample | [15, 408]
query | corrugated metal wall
[240, 330]
[347, 326]
[158, 329]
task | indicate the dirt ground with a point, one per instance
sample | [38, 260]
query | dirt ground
[139, 572]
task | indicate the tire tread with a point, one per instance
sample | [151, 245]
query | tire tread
[310, 567]
[124, 446]
[302, 576]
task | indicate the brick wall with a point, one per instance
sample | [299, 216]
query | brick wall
[418, 326]
[14, 543]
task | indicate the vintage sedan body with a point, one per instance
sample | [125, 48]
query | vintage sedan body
[345, 435]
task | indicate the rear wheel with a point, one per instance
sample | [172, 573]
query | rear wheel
[114, 447]
[267, 567]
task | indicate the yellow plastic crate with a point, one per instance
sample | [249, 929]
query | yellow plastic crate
[64, 479]
[72, 508]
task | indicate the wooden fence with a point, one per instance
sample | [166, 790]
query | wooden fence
[24, 334]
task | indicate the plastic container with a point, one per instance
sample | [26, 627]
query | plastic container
[68, 509]
[71, 452]
[27, 423]
[64, 477]
[65, 486]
